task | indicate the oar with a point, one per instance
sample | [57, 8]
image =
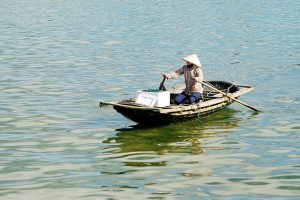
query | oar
[161, 86]
[211, 87]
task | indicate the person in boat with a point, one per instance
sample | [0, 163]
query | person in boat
[193, 76]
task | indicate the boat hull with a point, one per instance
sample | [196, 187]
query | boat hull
[155, 118]
[179, 113]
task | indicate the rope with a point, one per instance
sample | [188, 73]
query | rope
[199, 110]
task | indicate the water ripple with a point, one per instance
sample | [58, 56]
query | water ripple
[59, 58]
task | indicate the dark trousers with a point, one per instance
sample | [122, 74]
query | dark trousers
[183, 96]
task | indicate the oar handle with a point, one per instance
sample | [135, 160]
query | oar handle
[161, 86]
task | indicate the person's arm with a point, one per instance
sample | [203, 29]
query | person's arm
[198, 75]
[174, 74]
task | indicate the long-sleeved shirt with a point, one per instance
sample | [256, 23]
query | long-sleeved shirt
[193, 77]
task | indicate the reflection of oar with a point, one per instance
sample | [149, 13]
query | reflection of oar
[161, 86]
[211, 87]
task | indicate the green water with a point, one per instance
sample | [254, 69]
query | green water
[58, 59]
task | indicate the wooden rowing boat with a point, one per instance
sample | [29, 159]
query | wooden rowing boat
[210, 102]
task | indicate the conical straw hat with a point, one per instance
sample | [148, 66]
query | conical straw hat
[193, 59]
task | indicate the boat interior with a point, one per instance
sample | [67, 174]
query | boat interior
[208, 93]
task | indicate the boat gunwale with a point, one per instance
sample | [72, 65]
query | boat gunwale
[186, 108]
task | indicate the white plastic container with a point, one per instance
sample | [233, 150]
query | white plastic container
[158, 99]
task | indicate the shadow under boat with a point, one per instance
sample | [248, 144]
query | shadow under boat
[182, 137]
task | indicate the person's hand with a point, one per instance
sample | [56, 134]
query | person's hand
[164, 75]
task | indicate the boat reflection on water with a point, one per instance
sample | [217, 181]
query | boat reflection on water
[178, 138]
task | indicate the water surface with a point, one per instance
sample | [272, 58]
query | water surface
[58, 59]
